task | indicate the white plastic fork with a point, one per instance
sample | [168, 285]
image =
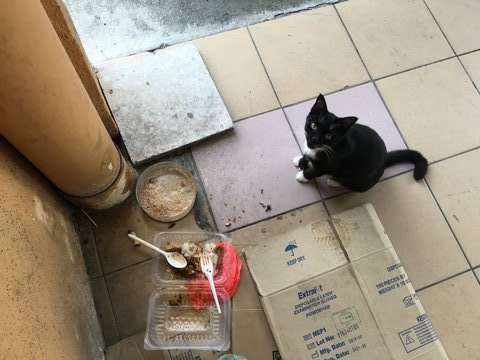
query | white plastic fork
[207, 269]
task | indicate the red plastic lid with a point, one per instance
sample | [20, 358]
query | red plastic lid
[226, 279]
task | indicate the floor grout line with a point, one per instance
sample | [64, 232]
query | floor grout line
[305, 100]
[281, 106]
[451, 47]
[111, 306]
[104, 279]
[468, 52]
[116, 271]
[273, 87]
[347, 87]
[448, 223]
[415, 68]
[476, 276]
[468, 74]
[113, 310]
[204, 190]
[275, 216]
[371, 78]
[353, 43]
[255, 115]
[452, 156]
[443, 280]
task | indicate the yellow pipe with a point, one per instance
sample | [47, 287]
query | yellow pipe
[46, 113]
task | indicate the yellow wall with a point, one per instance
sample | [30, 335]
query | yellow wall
[46, 308]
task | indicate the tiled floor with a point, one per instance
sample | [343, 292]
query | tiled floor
[307, 53]
[393, 36]
[409, 77]
[436, 108]
[245, 93]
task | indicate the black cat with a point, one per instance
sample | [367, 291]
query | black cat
[354, 155]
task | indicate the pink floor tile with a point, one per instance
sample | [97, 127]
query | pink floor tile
[251, 168]
[363, 102]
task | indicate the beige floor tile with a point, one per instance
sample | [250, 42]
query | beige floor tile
[115, 249]
[251, 235]
[436, 108]
[125, 349]
[472, 64]
[104, 311]
[454, 309]
[414, 224]
[456, 185]
[238, 73]
[460, 21]
[256, 344]
[129, 291]
[393, 35]
[308, 53]
[477, 271]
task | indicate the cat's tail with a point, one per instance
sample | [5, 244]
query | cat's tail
[411, 156]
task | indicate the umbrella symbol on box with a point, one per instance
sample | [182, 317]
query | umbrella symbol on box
[292, 245]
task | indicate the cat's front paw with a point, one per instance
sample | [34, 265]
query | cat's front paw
[296, 160]
[300, 177]
[304, 163]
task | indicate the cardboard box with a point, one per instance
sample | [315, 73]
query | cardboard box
[337, 290]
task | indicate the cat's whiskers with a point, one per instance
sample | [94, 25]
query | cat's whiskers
[331, 149]
[331, 152]
[328, 151]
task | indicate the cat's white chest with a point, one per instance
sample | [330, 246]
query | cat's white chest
[311, 153]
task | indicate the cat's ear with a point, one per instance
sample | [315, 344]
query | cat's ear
[346, 122]
[320, 105]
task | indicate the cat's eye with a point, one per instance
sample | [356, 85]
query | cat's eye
[327, 136]
[313, 126]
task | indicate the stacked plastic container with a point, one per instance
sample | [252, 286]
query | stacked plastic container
[181, 312]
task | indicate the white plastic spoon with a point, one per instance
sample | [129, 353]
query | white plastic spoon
[175, 259]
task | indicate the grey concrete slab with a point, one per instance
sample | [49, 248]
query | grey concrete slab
[162, 101]
[116, 28]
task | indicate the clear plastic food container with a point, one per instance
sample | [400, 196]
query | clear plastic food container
[164, 275]
[175, 320]
[174, 323]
